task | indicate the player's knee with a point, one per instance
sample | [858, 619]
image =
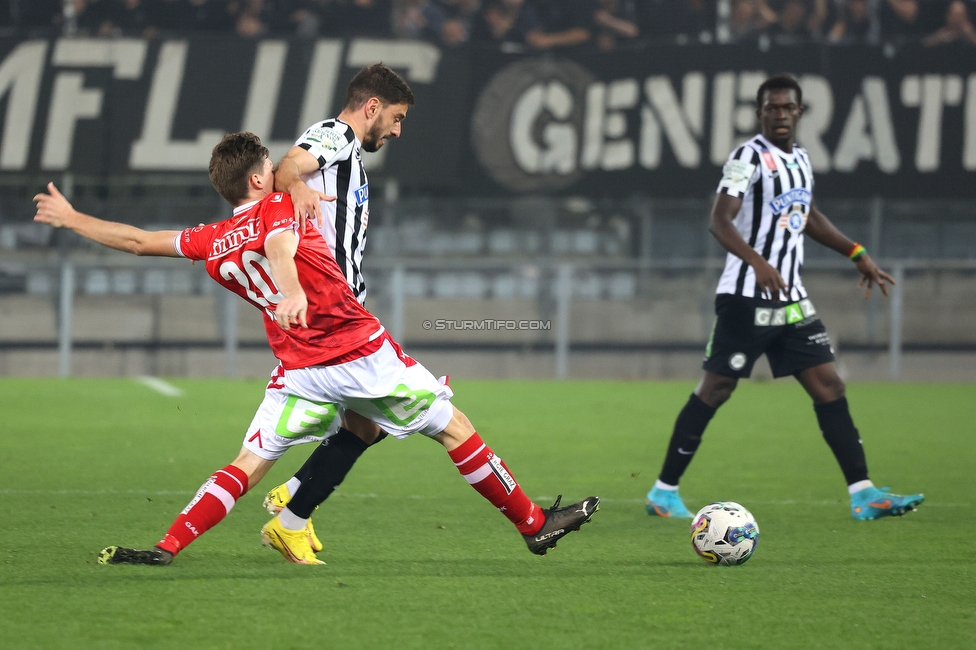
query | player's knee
[716, 390]
[457, 431]
[834, 389]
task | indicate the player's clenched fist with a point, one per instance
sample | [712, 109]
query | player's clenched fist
[291, 311]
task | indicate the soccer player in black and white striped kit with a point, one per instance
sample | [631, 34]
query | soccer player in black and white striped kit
[763, 210]
[325, 176]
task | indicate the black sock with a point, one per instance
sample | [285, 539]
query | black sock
[840, 433]
[688, 430]
[324, 471]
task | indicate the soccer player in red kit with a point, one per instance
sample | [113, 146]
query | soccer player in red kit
[335, 356]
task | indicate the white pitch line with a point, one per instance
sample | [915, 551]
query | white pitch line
[160, 386]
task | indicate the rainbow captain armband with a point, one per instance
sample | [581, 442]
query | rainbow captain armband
[856, 252]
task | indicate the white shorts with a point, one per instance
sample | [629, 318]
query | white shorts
[387, 387]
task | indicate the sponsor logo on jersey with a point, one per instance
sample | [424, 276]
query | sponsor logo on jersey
[736, 175]
[782, 202]
[277, 198]
[235, 239]
[770, 163]
[792, 313]
[362, 194]
[326, 137]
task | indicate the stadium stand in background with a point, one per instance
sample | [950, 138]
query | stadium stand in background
[538, 24]
[621, 275]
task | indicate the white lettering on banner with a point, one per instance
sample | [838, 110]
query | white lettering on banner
[263, 93]
[930, 93]
[154, 149]
[265, 86]
[733, 110]
[969, 129]
[858, 142]
[418, 59]
[682, 123]
[605, 145]
[70, 102]
[559, 138]
[20, 81]
[818, 113]
[124, 55]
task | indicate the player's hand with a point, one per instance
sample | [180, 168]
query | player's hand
[52, 208]
[769, 280]
[308, 203]
[871, 275]
[292, 311]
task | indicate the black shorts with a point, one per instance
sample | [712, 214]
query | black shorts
[791, 336]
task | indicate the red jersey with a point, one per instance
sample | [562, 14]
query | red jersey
[339, 328]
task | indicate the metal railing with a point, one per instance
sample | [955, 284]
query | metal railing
[558, 287]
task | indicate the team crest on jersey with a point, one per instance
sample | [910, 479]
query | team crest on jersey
[795, 221]
[362, 194]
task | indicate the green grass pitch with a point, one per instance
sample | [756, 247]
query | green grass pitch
[416, 559]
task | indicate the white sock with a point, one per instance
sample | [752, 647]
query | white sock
[293, 484]
[291, 521]
[664, 486]
[860, 485]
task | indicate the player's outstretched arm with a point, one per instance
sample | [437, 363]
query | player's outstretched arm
[721, 226]
[55, 210]
[288, 178]
[280, 250]
[820, 229]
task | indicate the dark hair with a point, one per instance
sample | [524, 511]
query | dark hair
[779, 82]
[234, 159]
[379, 81]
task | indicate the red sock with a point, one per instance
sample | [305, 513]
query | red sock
[212, 502]
[490, 477]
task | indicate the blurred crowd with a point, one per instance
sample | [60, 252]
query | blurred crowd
[513, 24]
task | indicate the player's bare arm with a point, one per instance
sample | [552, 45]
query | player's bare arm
[288, 178]
[820, 229]
[722, 228]
[292, 309]
[55, 210]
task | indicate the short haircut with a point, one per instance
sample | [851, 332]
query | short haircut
[379, 81]
[234, 159]
[779, 82]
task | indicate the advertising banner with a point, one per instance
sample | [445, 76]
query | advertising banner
[657, 121]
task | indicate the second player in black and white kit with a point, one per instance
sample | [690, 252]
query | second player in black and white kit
[324, 171]
[776, 188]
[763, 210]
[325, 177]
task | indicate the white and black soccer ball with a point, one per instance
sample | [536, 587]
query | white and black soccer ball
[724, 533]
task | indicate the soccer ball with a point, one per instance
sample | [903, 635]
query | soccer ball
[724, 533]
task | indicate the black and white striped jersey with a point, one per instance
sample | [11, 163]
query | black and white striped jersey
[776, 189]
[341, 174]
